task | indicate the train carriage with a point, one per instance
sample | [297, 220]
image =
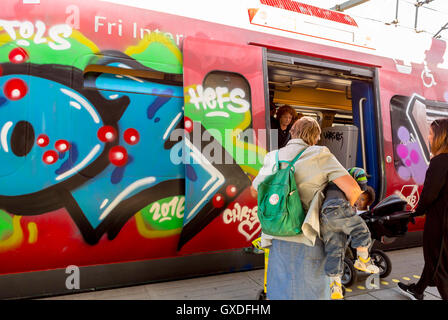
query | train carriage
[130, 134]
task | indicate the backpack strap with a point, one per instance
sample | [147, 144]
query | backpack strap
[298, 156]
[276, 166]
[293, 161]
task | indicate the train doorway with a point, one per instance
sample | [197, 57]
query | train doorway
[341, 97]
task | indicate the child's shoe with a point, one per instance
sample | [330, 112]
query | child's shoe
[336, 291]
[366, 265]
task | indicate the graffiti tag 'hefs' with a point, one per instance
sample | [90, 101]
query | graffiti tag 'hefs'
[218, 98]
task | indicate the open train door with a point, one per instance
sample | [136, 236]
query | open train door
[364, 118]
[224, 95]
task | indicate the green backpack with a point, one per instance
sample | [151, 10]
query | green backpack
[280, 209]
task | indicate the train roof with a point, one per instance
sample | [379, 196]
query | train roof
[296, 20]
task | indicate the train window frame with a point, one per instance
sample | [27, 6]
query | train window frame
[225, 72]
[401, 113]
[247, 89]
[92, 71]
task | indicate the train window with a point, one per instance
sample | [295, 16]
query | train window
[410, 124]
[227, 95]
[146, 104]
[230, 80]
[226, 92]
[124, 79]
[410, 118]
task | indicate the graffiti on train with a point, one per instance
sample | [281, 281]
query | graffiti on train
[410, 117]
[408, 151]
[97, 144]
[221, 95]
[245, 217]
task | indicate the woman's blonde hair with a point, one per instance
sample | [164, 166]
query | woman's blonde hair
[440, 141]
[307, 129]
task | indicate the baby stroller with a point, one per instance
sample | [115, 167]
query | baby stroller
[388, 219]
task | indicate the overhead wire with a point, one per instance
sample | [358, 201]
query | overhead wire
[424, 6]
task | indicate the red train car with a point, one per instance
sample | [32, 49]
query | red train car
[129, 136]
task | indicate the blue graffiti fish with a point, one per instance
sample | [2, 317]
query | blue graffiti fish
[96, 146]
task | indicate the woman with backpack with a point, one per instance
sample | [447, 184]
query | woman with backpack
[296, 263]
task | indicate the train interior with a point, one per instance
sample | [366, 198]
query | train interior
[339, 96]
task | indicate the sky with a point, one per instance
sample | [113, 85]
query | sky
[431, 17]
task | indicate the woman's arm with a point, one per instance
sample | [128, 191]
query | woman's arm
[350, 187]
[339, 175]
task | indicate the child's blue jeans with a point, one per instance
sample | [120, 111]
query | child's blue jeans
[338, 221]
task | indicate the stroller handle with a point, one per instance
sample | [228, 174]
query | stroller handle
[397, 216]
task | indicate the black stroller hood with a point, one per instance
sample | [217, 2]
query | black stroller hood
[388, 218]
[389, 205]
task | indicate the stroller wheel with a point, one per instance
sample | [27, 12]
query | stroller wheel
[261, 295]
[350, 275]
[382, 261]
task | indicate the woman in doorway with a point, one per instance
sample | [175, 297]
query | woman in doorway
[434, 203]
[285, 115]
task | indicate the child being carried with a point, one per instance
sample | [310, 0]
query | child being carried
[338, 221]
